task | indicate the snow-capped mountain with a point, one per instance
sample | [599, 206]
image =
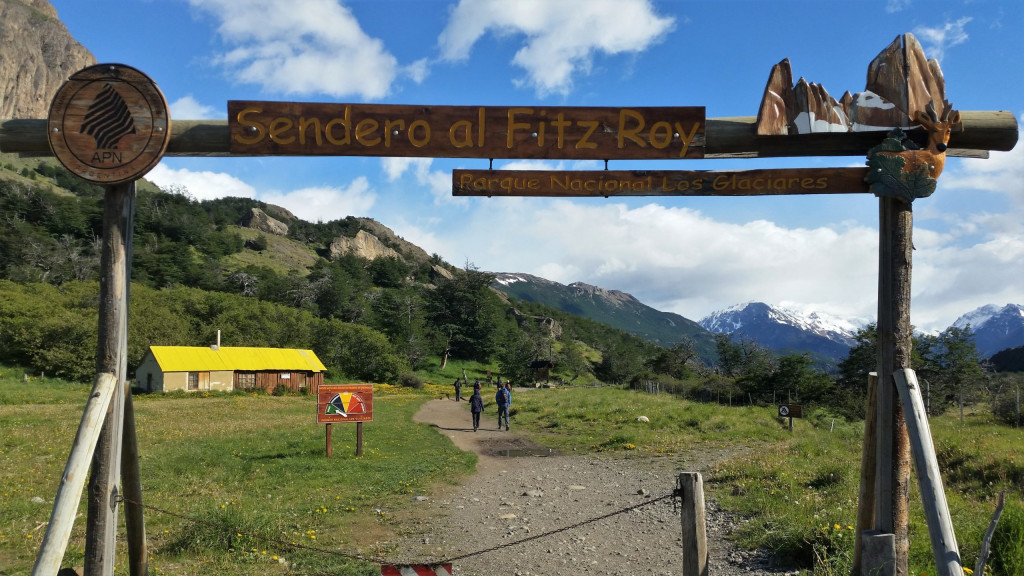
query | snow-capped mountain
[783, 330]
[995, 328]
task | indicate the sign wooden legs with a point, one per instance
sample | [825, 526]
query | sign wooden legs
[359, 439]
[104, 491]
[892, 475]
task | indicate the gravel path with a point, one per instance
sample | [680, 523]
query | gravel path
[512, 498]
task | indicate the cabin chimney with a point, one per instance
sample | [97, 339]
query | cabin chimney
[217, 345]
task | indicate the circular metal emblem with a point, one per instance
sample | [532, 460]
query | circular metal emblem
[783, 410]
[109, 124]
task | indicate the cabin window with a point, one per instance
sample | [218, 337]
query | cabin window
[193, 380]
[245, 380]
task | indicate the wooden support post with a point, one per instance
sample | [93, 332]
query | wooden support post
[69, 492]
[695, 544]
[929, 477]
[879, 554]
[330, 441]
[134, 521]
[111, 357]
[359, 438]
[866, 497]
[892, 476]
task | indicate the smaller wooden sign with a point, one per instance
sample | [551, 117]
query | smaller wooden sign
[109, 124]
[609, 183]
[344, 403]
[791, 411]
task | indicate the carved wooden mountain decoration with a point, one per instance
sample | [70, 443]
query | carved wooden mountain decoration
[900, 83]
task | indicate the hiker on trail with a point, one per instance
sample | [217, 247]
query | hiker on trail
[502, 398]
[476, 406]
[458, 390]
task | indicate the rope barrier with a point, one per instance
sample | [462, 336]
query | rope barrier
[295, 545]
[557, 530]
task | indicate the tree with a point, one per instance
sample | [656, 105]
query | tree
[620, 362]
[514, 355]
[463, 314]
[952, 364]
[571, 358]
[675, 361]
[795, 373]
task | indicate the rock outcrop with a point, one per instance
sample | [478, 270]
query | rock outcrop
[364, 245]
[544, 323]
[38, 56]
[410, 252]
[259, 220]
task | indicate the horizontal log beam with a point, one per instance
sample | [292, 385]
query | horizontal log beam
[981, 132]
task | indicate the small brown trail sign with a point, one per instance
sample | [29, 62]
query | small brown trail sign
[659, 182]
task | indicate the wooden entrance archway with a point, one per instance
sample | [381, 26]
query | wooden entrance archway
[519, 132]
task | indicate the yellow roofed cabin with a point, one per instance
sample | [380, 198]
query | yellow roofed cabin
[223, 368]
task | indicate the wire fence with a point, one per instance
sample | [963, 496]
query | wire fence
[233, 531]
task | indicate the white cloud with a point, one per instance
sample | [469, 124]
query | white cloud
[675, 259]
[437, 182]
[203, 185]
[561, 38]
[302, 47]
[326, 203]
[893, 6]
[935, 41]
[313, 204]
[188, 108]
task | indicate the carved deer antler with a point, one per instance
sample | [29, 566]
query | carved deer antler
[939, 130]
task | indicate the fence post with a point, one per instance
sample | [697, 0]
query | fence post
[695, 545]
[929, 478]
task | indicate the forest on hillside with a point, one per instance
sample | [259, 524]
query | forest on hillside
[195, 271]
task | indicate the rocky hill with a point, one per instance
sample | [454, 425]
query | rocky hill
[37, 56]
[612, 307]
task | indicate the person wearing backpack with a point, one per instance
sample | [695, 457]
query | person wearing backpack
[501, 397]
[476, 406]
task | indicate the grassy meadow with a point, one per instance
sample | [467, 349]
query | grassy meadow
[253, 463]
[253, 469]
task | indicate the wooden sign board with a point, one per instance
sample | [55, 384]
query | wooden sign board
[659, 182]
[109, 124]
[344, 403]
[791, 411]
[310, 129]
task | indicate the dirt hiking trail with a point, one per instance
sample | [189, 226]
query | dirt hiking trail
[478, 522]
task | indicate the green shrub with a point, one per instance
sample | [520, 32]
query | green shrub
[410, 380]
[1007, 555]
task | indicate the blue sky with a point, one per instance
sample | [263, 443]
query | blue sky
[691, 256]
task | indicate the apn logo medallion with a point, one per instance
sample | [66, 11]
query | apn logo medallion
[109, 124]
